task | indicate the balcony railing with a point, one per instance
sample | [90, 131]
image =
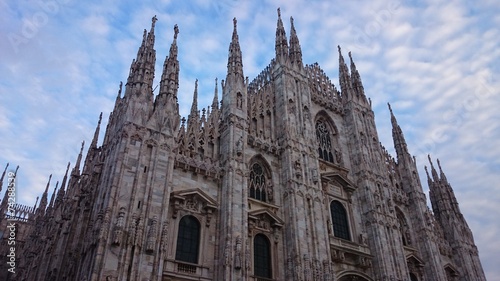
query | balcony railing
[186, 268]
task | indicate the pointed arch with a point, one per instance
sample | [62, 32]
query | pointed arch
[260, 185]
[327, 137]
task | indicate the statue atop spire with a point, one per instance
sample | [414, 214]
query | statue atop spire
[154, 19]
[176, 31]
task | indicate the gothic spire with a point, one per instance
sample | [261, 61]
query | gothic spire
[169, 83]
[281, 46]
[429, 180]
[194, 105]
[96, 133]
[5, 200]
[295, 50]
[76, 169]
[398, 137]
[235, 63]
[43, 201]
[441, 173]
[118, 97]
[36, 202]
[433, 170]
[356, 79]
[142, 68]
[60, 194]
[344, 78]
[53, 197]
[215, 101]
[3, 175]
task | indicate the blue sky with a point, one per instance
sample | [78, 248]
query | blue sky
[436, 62]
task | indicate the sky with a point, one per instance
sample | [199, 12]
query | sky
[437, 63]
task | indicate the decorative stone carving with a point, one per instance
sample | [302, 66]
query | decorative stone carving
[120, 223]
[237, 253]
[164, 237]
[151, 239]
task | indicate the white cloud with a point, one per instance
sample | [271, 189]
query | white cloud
[436, 63]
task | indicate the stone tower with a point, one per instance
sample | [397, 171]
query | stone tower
[284, 180]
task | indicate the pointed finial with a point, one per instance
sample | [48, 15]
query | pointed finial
[427, 173]
[3, 174]
[433, 170]
[234, 23]
[279, 12]
[48, 183]
[120, 90]
[441, 173]
[215, 102]
[291, 21]
[340, 50]
[176, 31]
[390, 109]
[52, 198]
[36, 202]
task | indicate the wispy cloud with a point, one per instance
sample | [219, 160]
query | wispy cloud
[436, 62]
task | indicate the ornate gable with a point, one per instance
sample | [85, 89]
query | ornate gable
[193, 201]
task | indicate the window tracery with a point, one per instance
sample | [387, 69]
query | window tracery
[259, 186]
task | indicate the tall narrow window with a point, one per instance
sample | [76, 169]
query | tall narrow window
[339, 219]
[262, 256]
[404, 229]
[258, 183]
[188, 240]
[325, 141]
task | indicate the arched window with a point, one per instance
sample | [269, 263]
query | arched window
[258, 187]
[262, 256]
[324, 140]
[413, 277]
[339, 220]
[188, 240]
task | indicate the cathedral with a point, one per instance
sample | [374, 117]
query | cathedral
[282, 178]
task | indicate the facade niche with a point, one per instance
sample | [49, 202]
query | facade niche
[327, 137]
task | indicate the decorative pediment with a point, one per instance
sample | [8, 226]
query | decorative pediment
[338, 179]
[265, 220]
[195, 201]
[451, 270]
[413, 259]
